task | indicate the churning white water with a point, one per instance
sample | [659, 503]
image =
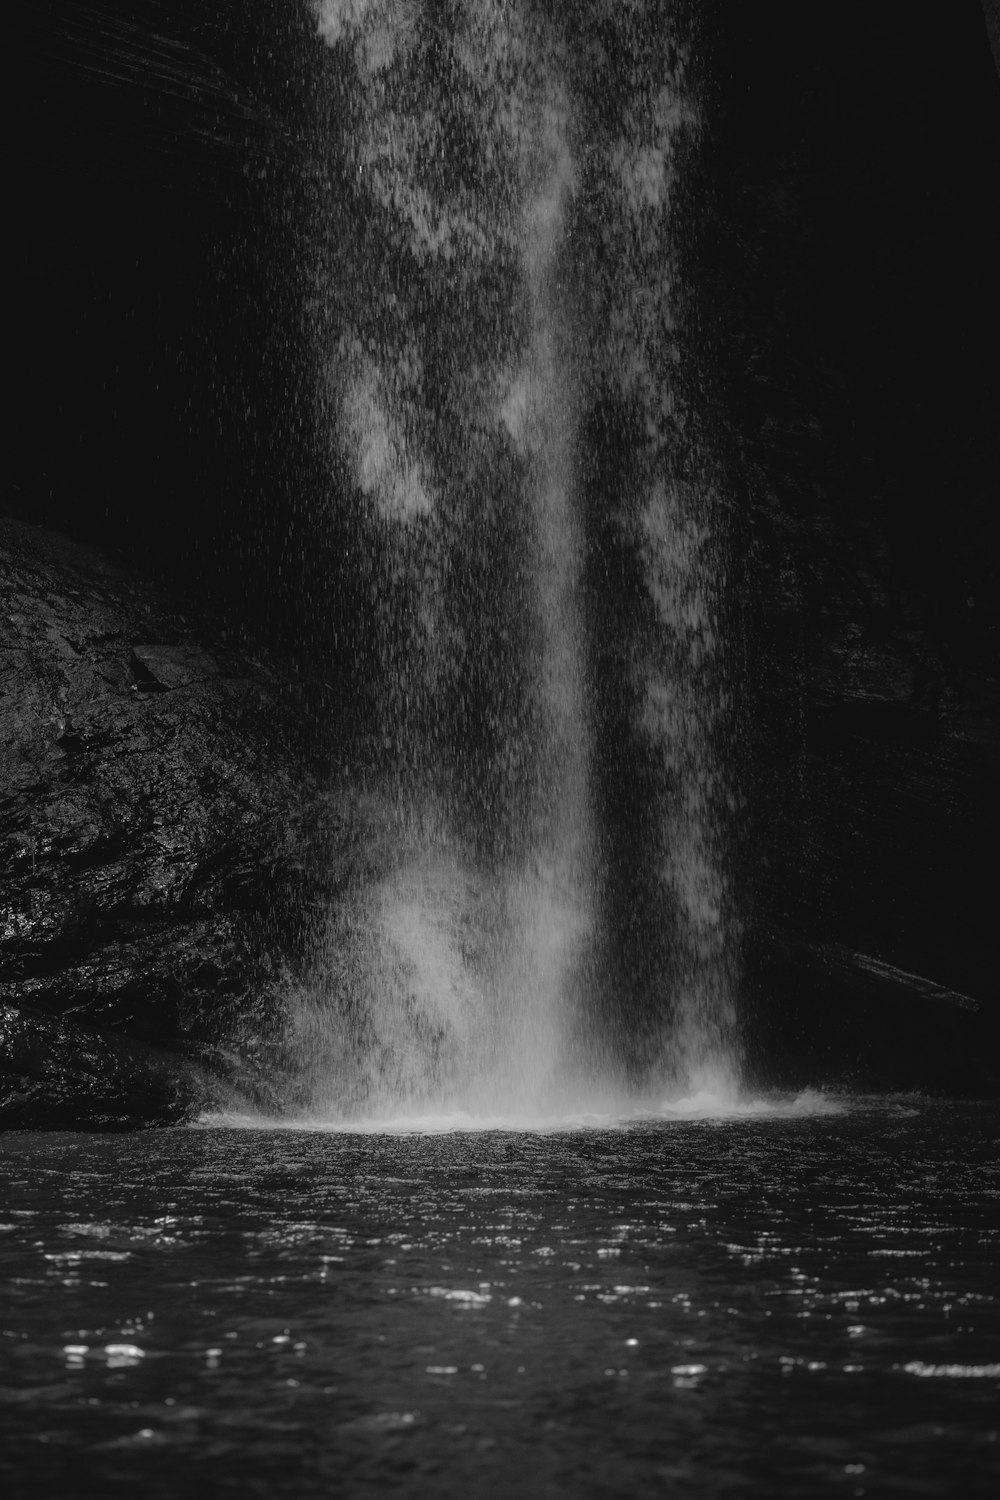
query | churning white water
[490, 255]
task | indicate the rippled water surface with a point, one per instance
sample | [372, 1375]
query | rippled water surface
[763, 1305]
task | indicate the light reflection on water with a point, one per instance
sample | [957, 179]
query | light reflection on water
[801, 1304]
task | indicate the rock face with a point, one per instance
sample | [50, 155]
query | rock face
[58, 1076]
[146, 785]
[849, 282]
[874, 861]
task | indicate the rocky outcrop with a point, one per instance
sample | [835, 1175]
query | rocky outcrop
[54, 1076]
[148, 883]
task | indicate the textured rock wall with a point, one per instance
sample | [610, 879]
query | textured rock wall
[146, 784]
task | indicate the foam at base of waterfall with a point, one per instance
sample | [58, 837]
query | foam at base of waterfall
[605, 1116]
[708, 1105]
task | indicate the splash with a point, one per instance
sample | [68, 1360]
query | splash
[604, 1114]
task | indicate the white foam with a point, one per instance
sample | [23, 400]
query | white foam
[701, 1106]
[708, 1105]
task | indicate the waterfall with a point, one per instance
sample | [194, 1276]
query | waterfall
[541, 913]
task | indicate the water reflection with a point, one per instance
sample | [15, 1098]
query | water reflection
[780, 1306]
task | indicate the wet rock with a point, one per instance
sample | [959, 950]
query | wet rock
[842, 1019]
[54, 1075]
[872, 943]
[159, 668]
[147, 789]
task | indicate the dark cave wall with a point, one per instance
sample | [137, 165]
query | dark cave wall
[851, 299]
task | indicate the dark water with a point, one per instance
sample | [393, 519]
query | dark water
[773, 1306]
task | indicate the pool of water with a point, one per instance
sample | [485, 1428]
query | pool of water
[773, 1304]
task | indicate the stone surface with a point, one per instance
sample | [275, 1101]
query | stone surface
[54, 1075]
[147, 785]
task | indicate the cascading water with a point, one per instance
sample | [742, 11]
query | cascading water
[541, 918]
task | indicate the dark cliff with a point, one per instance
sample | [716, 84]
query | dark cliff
[147, 783]
[848, 278]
